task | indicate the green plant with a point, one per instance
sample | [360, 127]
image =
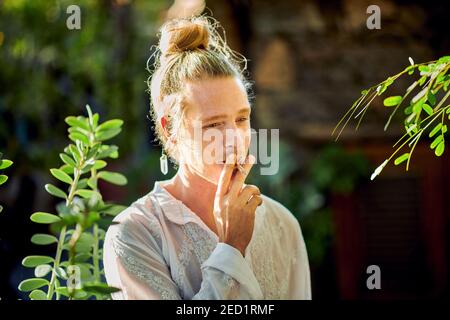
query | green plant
[425, 111]
[4, 163]
[82, 217]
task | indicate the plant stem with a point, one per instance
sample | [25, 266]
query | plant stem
[59, 249]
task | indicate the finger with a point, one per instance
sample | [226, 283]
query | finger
[247, 192]
[254, 202]
[239, 178]
[225, 175]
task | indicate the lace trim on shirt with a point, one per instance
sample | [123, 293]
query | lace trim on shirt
[199, 240]
[156, 282]
[263, 265]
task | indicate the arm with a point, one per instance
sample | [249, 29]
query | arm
[301, 279]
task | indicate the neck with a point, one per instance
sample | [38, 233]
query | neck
[195, 192]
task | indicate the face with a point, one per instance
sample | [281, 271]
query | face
[216, 124]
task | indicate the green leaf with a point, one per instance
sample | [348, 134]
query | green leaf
[61, 273]
[107, 134]
[110, 124]
[107, 151]
[424, 69]
[431, 98]
[86, 239]
[34, 261]
[392, 101]
[408, 110]
[99, 164]
[113, 177]
[75, 153]
[88, 108]
[93, 150]
[67, 169]
[95, 120]
[113, 210]
[435, 130]
[83, 246]
[79, 130]
[91, 183]
[55, 191]
[42, 270]
[85, 193]
[100, 288]
[82, 183]
[417, 108]
[44, 217]
[31, 284]
[78, 136]
[1, 208]
[63, 291]
[3, 179]
[43, 239]
[75, 122]
[38, 295]
[436, 141]
[422, 80]
[440, 149]
[82, 257]
[444, 59]
[427, 109]
[5, 164]
[401, 158]
[67, 160]
[61, 175]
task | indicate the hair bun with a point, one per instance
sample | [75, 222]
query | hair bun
[184, 35]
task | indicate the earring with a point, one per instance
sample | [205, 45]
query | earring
[163, 163]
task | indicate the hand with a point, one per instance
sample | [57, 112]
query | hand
[235, 204]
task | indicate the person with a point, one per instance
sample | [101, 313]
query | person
[204, 233]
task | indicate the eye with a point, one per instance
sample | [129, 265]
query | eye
[242, 119]
[212, 125]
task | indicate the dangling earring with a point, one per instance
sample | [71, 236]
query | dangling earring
[163, 163]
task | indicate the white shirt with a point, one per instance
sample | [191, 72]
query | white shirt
[160, 249]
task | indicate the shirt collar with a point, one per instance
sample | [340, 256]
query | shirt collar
[175, 210]
[172, 208]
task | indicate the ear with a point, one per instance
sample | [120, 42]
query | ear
[163, 122]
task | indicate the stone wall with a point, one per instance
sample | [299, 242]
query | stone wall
[311, 59]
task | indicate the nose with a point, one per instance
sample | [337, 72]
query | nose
[234, 142]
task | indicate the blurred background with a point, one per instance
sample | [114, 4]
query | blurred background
[309, 60]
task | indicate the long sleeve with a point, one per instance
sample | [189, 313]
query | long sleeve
[134, 263]
[300, 273]
[227, 275]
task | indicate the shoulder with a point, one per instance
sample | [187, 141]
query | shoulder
[280, 216]
[136, 224]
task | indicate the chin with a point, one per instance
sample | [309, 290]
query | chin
[213, 173]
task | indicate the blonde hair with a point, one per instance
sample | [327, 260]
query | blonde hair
[189, 49]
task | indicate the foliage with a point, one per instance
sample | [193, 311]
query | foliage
[44, 65]
[4, 163]
[82, 217]
[424, 106]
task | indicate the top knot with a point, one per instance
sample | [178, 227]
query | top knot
[181, 35]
